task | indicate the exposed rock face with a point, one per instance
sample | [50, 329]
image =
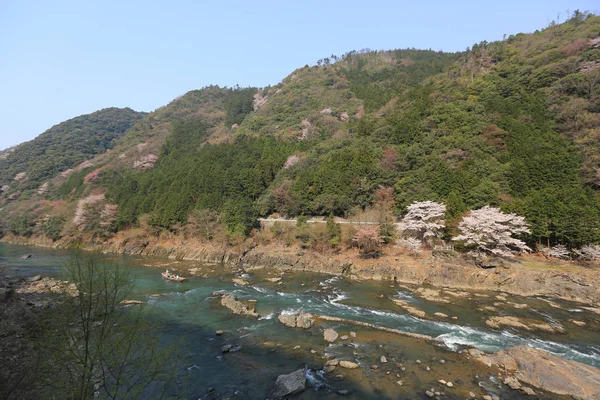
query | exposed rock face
[330, 335]
[546, 371]
[237, 307]
[290, 384]
[529, 325]
[302, 320]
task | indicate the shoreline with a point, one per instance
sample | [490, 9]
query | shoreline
[527, 276]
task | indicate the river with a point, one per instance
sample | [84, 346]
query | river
[189, 313]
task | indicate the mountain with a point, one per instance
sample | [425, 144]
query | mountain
[30, 164]
[513, 123]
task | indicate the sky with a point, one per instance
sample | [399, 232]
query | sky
[63, 58]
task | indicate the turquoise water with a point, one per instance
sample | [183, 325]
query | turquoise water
[189, 312]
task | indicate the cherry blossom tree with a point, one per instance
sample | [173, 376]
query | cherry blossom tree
[88, 211]
[491, 231]
[368, 239]
[558, 251]
[411, 244]
[424, 220]
[589, 252]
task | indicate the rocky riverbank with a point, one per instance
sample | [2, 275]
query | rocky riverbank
[524, 276]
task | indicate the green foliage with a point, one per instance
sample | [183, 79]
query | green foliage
[65, 146]
[226, 178]
[22, 226]
[238, 104]
[52, 227]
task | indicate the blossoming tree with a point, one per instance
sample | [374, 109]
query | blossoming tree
[424, 220]
[491, 231]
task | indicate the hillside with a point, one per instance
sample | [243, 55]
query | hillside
[512, 124]
[30, 164]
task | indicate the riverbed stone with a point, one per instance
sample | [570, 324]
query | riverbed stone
[551, 373]
[440, 314]
[528, 391]
[348, 364]
[383, 359]
[330, 335]
[237, 307]
[290, 384]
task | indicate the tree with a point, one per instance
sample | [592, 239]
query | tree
[96, 346]
[368, 239]
[424, 219]
[490, 230]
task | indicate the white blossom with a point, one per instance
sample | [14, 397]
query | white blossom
[88, 210]
[410, 244]
[589, 252]
[492, 231]
[424, 219]
[558, 251]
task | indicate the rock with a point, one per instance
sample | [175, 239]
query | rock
[512, 383]
[287, 320]
[471, 394]
[237, 307]
[501, 298]
[530, 325]
[26, 257]
[34, 278]
[486, 397]
[449, 384]
[443, 382]
[302, 320]
[475, 353]
[528, 391]
[239, 281]
[343, 392]
[290, 384]
[296, 347]
[312, 351]
[383, 360]
[428, 369]
[333, 362]
[131, 302]
[353, 334]
[549, 372]
[576, 322]
[273, 279]
[235, 348]
[329, 368]
[345, 337]
[226, 348]
[219, 332]
[330, 335]
[440, 314]
[400, 383]
[429, 393]
[348, 364]
[374, 366]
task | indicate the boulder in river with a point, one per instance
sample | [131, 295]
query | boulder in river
[302, 320]
[522, 323]
[26, 257]
[290, 384]
[348, 364]
[237, 307]
[549, 372]
[330, 335]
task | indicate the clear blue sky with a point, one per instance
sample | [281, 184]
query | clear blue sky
[63, 58]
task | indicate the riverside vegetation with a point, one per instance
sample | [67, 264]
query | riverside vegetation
[361, 165]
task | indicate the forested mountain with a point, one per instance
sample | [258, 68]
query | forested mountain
[513, 124]
[64, 146]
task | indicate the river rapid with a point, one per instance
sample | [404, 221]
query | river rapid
[189, 314]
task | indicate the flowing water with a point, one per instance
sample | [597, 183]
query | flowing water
[189, 313]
